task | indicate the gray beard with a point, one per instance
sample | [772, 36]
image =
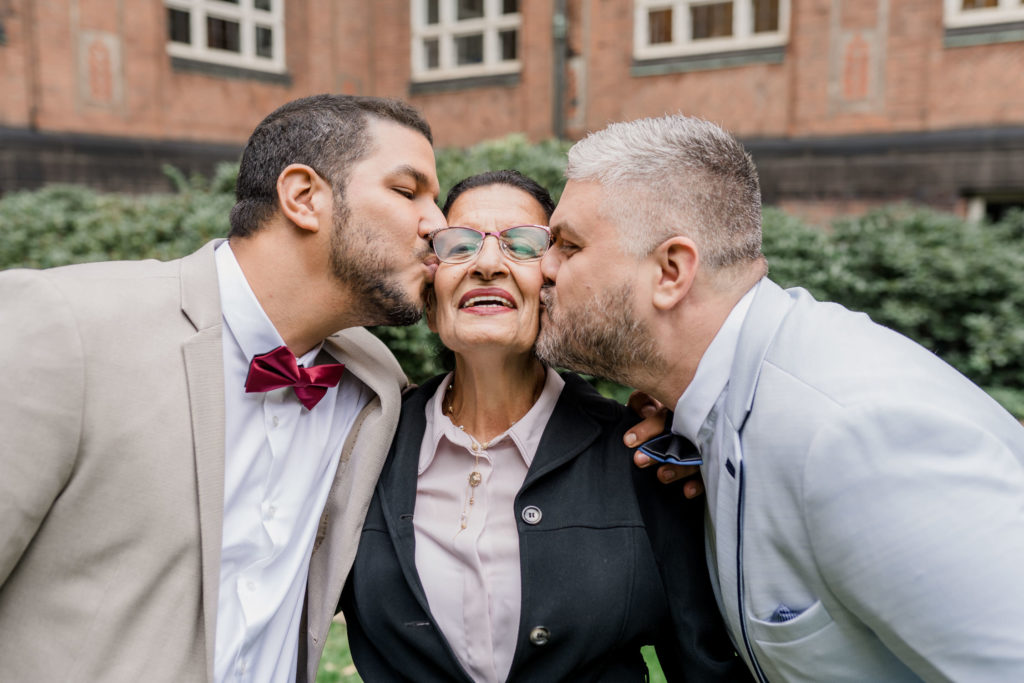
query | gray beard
[603, 338]
[358, 263]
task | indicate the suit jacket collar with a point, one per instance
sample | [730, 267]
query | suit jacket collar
[769, 308]
[204, 367]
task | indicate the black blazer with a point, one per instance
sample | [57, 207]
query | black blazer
[592, 590]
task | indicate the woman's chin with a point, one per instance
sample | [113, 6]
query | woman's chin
[469, 346]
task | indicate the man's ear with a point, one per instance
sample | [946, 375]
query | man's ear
[303, 196]
[676, 261]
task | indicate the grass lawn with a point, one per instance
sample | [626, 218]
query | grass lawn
[336, 665]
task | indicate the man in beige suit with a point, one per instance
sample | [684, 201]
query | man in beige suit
[167, 511]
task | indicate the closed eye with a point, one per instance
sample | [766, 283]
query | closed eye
[405, 192]
[566, 248]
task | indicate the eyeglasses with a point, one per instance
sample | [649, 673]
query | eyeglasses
[519, 243]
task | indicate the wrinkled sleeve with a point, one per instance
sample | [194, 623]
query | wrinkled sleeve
[41, 394]
[917, 523]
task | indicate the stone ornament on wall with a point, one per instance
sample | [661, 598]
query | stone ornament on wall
[857, 56]
[100, 76]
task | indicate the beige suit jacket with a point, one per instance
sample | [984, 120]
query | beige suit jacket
[112, 472]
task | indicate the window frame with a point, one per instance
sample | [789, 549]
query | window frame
[743, 37]
[448, 29]
[247, 17]
[1006, 12]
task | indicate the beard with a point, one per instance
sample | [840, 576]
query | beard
[603, 338]
[360, 262]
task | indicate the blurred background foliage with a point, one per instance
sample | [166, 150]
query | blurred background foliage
[955, 287]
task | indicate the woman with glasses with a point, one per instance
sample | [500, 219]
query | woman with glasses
[510, 536]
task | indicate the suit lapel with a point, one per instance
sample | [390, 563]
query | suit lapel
[568, 433]
[362, 457]
[397, 487]
[767, 311]
[204, 368]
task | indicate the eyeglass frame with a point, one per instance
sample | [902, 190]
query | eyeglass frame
[497, 235]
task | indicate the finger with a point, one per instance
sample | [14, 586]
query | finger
[642, 404]
[670, 473]
[641, 460]
[649, 428]
[693, 487]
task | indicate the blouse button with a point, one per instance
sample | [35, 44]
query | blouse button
[539, 635]
[532, 514]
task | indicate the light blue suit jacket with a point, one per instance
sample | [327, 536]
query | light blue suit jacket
[870, 498]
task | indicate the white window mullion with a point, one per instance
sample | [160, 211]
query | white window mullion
[199, 40]
[685, 34]
[742, 19]
[246, 31]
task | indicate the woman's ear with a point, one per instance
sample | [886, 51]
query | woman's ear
[303, 196]
[676, 261]
[430, 310]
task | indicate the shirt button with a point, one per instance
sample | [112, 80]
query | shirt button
[532, 514]
[539, 635]
[275, 421]
[271, 511]
[251, 585]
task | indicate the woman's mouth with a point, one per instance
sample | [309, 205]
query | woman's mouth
[491, 298]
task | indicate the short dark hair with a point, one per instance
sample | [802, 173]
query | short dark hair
[509, 177]
[326, 132]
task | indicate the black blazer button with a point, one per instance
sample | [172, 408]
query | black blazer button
[539, 635]
[532, 514]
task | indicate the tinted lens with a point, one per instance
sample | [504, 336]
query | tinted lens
[525, 242]
[455, 245]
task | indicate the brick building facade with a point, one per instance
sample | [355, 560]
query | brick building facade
[844, 104]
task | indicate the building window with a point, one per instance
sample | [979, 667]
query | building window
[464, 38]
[961, 13]
[242, 33]
[677, 28]
[993, 207]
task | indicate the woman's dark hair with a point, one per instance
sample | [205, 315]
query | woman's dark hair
[507, 177]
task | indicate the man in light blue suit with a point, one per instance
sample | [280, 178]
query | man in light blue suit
[865, 500]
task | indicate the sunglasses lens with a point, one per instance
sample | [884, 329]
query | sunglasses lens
[526, 242]
[455, 245]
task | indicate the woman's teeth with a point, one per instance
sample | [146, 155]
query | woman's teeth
[488, 301]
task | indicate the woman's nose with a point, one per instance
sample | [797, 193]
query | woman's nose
[490, 260]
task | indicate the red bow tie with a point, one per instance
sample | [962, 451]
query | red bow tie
[278, 368]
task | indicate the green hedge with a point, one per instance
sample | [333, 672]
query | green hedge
[957, 288]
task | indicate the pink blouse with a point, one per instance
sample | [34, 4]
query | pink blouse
[467, 542]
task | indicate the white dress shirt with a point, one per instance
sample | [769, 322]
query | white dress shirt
[471, 575]
[279, 464]
[696, 413]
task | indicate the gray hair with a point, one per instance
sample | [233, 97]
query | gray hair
[675, 175]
